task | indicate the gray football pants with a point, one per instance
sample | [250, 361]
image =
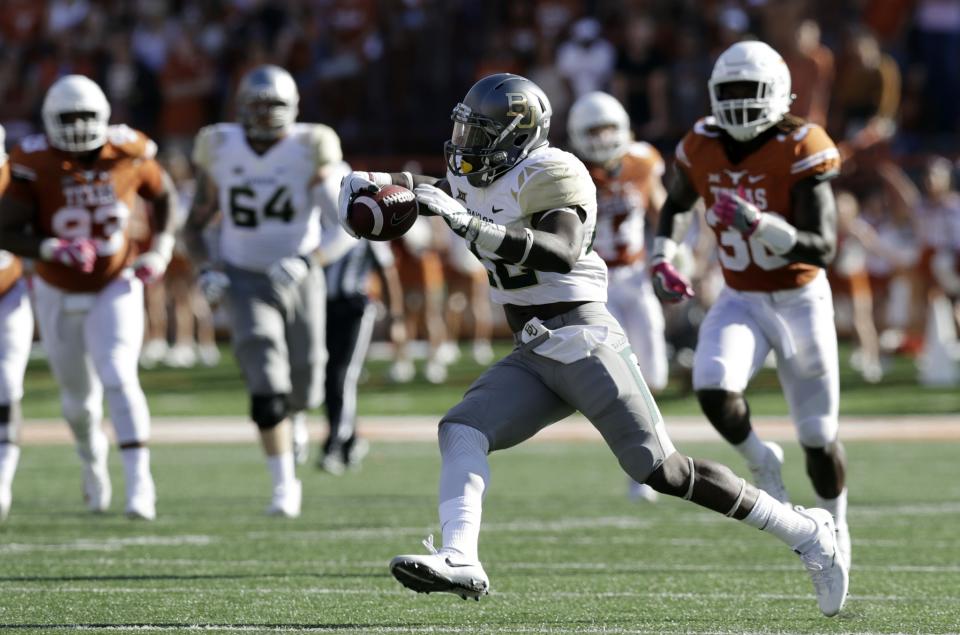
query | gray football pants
[278, 335]
[525, 392]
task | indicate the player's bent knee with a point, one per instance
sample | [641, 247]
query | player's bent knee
[267, 411]
[456, 437]
[673, 477]
[722, 405]
[818, 432]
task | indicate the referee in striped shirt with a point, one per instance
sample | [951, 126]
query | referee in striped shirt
[350, 319]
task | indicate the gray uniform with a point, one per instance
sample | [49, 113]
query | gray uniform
[278, 335]
[525, 392]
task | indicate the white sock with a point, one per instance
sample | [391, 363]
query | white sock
[9, 455]
[752, 449]
[136, 464]
[463, 477]
[836, 506]
[777, 519]
[281, 468]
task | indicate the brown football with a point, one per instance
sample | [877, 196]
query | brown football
[385, 214]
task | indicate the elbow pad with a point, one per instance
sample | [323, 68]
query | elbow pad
[776, 234]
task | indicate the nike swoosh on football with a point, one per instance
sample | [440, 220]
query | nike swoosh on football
[756, 179]
[396, 220]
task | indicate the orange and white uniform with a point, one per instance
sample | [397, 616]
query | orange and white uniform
[768, 303]
[91, 324]
[623, 202]
[16, 318]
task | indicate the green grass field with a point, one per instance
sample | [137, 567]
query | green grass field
[219, 391]
[565, 550]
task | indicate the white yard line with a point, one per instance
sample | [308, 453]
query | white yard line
[419, 428]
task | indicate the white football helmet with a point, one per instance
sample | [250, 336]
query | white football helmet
[267, 100]
[598, 110]
[744, 117]
[75, 114]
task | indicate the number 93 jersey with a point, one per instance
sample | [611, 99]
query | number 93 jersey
[265, 199]
[765, 177]
[547, 179]
[86, 200]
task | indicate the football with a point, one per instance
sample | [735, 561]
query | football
[383, 215]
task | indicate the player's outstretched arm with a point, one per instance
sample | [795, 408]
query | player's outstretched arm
[668, 283]
[152, 264]
[815, 220]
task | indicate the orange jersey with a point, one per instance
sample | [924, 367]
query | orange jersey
[71, 199]
[766, 177]
[10, 266]
[623, 198]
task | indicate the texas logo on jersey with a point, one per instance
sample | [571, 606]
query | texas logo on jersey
[765, 178]
[623, 200]
[86, 200]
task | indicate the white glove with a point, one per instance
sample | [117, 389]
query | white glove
[76, 253]
[289, 272]
[450, 210]
[351, 185]
[213, 284]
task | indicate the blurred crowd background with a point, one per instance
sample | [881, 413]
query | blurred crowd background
[883, 76]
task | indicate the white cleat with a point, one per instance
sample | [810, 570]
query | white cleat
[439, 572]
[402, 371]
[301, 438]
[286, 500]
[641, 492]
[820, 555]
[141, 500]
[96, 486]
[767, 476]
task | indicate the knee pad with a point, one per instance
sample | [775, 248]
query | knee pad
[723, 407]
[10, 419]
[268, 410]
[817, 432]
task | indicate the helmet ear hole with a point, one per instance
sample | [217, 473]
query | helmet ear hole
[520, 140]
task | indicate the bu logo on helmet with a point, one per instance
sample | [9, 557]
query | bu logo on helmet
[517, 105]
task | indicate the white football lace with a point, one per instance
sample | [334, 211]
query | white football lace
[428, 543]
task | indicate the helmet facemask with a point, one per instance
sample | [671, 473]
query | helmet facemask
[475, 149]
[746, 107]
[80, 131]
[601, 144]
[266, 117]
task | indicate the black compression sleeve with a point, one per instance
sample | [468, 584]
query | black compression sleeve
[681, 197]
[815, 217]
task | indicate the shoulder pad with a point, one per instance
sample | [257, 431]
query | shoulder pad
[33, 143]
[643, 151]
[130, 142]
[207, 142]
[323, 142]
[556, 180]
[812, 152]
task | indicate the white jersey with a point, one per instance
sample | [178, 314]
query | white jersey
[266, 202]
[547, 179]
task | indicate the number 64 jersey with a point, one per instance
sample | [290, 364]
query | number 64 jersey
[547, 179]
[765, 178]
[265, 200]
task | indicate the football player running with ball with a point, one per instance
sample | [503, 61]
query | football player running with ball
[68, 207]
[271, 179]
[529, 212]
[764, 176]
